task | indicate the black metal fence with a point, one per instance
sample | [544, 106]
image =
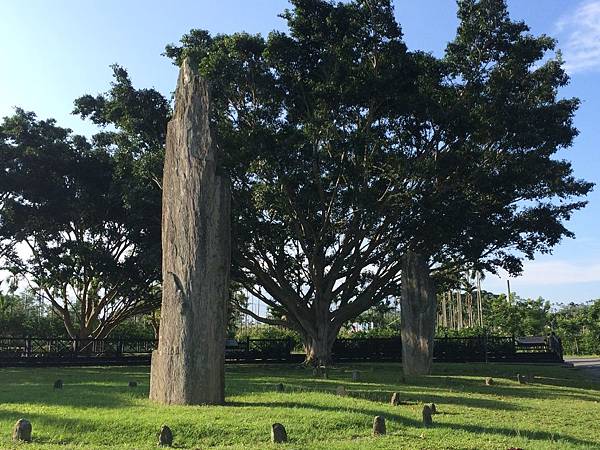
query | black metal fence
[64, 351]
[50, 351]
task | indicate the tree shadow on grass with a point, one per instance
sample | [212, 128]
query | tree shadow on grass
[82, 387]
[48, 421]
[534, 389]
[379, 396]
[81, 396]
[421, 391]
[547, 374]
[463, 381]
[408, 422]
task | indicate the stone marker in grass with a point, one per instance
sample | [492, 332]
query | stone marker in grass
[427, 420]
[280, 387]
[22, 431]
[521, 379]
[433, 408]
[341, 391]
[489, 381]
[395, 400]
[378, 425]
[58, 384]
[165, 437]
[133, 384]
[278, 433]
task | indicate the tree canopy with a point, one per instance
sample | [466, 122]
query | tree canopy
[346, 150]
[77, 236]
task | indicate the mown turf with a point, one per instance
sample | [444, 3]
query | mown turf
[559, 409]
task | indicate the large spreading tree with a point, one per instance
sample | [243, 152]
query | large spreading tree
[81, 220]
[305, 121]
[350, 155]
[488, 189]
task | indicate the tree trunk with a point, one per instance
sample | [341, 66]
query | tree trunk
[479, 302]
[318, 346]
[444, 309]
[418, 315]
[188, 366]
[459, 309]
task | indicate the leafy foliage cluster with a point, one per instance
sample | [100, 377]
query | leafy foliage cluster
[345, 150]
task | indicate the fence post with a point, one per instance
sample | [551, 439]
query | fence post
[485, 346]
[289, 348]
[28, 346]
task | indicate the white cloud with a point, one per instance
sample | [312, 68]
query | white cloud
[580, 41]
[558, 272]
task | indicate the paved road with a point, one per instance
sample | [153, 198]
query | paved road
[591, 366]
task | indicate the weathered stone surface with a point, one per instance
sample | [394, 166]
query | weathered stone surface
[378, 425]
[355, 375]
[427, 420]
[165, 437]
[418, 311]
[341, 391]
[278, 433]
[489, 381]
[188, 365]
[22, 431]
[395, 400]
[133, 384]
[58, 384]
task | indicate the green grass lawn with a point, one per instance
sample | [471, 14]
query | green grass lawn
[96, 409]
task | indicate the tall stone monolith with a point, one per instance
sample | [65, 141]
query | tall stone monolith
[188, 365]
[418, 309]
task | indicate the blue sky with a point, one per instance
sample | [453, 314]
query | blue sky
[53, 52]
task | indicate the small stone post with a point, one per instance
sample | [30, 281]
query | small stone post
[378, 425]
[395, 400]
[22, 431]
[427, 420]
[165, 437]
[278, 433]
